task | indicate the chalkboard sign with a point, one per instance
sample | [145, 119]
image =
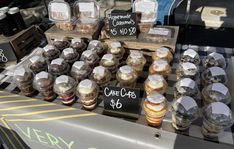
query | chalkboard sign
[122, 101]
[123, 24]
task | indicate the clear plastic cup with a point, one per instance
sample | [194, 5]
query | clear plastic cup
[214, 59]
[116, 49]
[155, 84]
[50, 53]
[137, 61]
[187, 70]
[90, 57]
[160, 67]
[37, 64]
[61, 44]
[97, 46]
[163, 53]
[101, 76]
[110, 62]
[80, 71]
[190, 56]
[70, 55]
[79, 45]
[58, 67]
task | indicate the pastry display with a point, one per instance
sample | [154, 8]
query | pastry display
[37, 64]
[79, 45]
[65, 87]
[186, 87]
[184, 112]
[126, 76]
[70, 55]
[187, 70]
[160, 67]
[110, 62]
[162, 53]
[137, 61]
[24, 80]
[43, 82]
[155, 106]
[117, 50]
[101, 75]
[155, 84]
[97, 46]
[58, 67]
[216, 92]
[90, 57]
[214, 75]
[190, 56]
[87, 91]
[214, 59]
[216, 117]
[50, 53]
[158, 34]
[61, 44]
[80, 70]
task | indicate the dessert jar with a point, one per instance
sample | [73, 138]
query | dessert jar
[50, 53]
[160, 67]
[58, 67]
[162, 53]
[79, 45]
[126, 76]
[24, 80]
[80, 70]
[137, 61]
[70, 55]
[116, 49]
[97, 46]
[186, 87]
[44, 82]
[101, 76]
[214, 59]
[90, 57]
[65, 87]
[155, 106]
[214, 75]
[61, 44]
[216, 117]
[87, 91]
[184, 111]
[155, 84]
[37, 64]
[187, 70]
[110, 62]
[216, 92]
[191, 56]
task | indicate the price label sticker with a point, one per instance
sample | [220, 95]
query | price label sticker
[216, 56]
[108, 57]
[220, 108]
[62, 79]
[87, 7]
[59, 12]
[217, 71]
[220, 88]
[78, 65]
[99, 70]
[76, 40]
[57, 61]
[191, 53]
[86, 84]
[20, 71]
[42, 75]
[159, 31]
[34, 59]
[187, 82]
[187, 102]
[68, 51]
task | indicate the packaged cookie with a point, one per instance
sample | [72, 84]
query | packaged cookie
[50, 53]
[101, 76]
[58, 67]
[78, 44]
[214, 59]
[37, 64]
[110, 62]
[187, 70]
[117, 50]
[90, 57]
[88, 91]
[43, 82]
[65, 87]
[137, 61]
[160, 67]
[184, 112]
[126, 76]
[61, 43]
[191, 56]
[97, 46]
[162, 53]
[80, 70]
[216, 92]
[155, 84]
[214, 75]
[216, 117]
[70, 55]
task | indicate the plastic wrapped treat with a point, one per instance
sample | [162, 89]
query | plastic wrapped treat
[58, 67]
[70, 55]
[214, 75]
[214, 59]
[90, 57]
[216, 92]
[50, 53]
[126, 76]
[216, 117]
[43, 82]
[160, 67]
[86, 26]
[65, 87]
[186, 87]
[158, 34]
[117, 50]
[184, 112]
[61, 44]
[37, 64]
[187, 70]
[87, 91]
[155, 106]
[137, 61]
[67, 26]
[155, 84]
[97, 46]
[162, 53]
[80, 71]
[24, 80]
[101, 76]
[79, 45]
[191, 56]
[110, 62]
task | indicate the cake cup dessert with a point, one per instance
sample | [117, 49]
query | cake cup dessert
[101, 76]
[61, 44]
[97, 46]
[37, 64]
[79, 45]
[155, 84]
[190, 56]
[110, 62]
[160, 67]
[162, 53]
[58, 67]
[70, 55]
[214, 59]
[187, 70]
[50, 53]
[90, 57]
[116, 49]
[137, 61]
